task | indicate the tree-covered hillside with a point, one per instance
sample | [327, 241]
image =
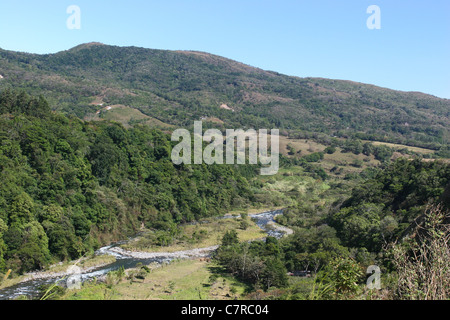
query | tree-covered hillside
[68, 186]
[178, 87]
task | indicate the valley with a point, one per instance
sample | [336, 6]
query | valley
[86, 168]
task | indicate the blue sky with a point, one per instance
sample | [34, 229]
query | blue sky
[314, 38]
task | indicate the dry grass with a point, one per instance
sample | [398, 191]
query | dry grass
[337, 159]
[424, 266]
[214, 120]
[304, 145]
[401, 146]
[180, 280]
[125, 115]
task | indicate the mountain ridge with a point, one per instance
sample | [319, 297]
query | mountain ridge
[178, 87]
[88, 45]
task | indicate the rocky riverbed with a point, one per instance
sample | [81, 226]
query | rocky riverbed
[185, 254]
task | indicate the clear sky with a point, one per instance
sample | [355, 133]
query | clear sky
[314, 38]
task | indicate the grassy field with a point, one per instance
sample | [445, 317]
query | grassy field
[304, 145]
[401, 146]
[127, 116]
[180, 280]
[344, 162]
[184, 280]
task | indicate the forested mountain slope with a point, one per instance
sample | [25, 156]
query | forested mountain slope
[68, 186]
[178, 87]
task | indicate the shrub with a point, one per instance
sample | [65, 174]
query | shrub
[423, 262]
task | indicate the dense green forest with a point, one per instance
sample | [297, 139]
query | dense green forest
[69, 186]
[177, 87]
[380, 209]
[386, 212]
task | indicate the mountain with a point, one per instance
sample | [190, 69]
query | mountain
[178, 87]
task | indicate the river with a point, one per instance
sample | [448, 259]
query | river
[128, 260]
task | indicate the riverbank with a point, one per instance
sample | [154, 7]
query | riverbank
[184, 254]
[197, 239]
[251, 233]
[190, 279]
[206, 234]
[120, 255]
[59, 270]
